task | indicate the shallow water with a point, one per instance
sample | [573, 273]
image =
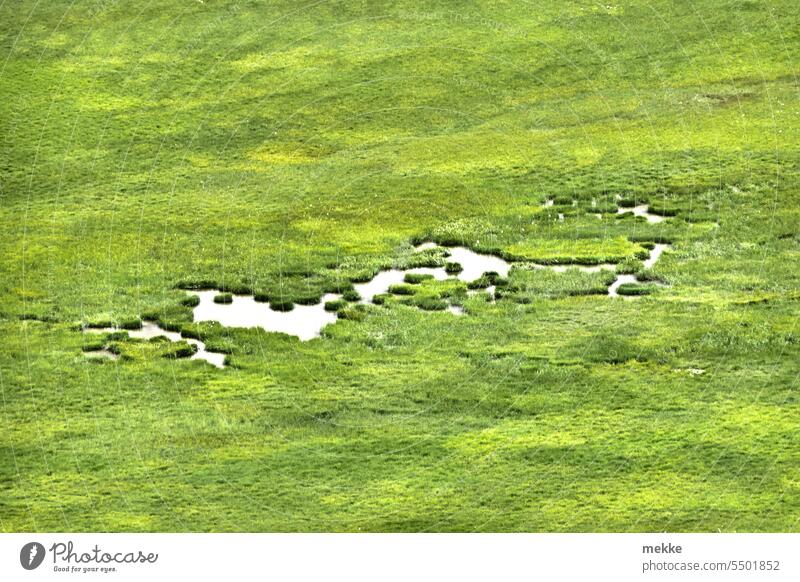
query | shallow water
[381, 282]
[621, 280]
[642, 210]
[151, 329]
[476, 264]
[473, 266]
[304, 321]
[655, 254]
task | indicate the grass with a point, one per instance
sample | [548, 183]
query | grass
[179, 349]
[351, 295]
[527, 285]
[486, 280]
[629, 267]
[279, 305]
[417, 278]
[224, 298]
[429, 303]
[93, 344]
[381, 298]
[292, 151]
[402, 289]
[452, 268]
[190, 301]
[633, 289]
[336, 304]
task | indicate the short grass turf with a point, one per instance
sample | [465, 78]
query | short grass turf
[288, 149]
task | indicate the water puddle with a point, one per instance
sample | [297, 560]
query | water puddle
[475, 264]
[151, 329]
[304, 321]
[642, 210]
[655, 254]
[385, 279]
[621, 280]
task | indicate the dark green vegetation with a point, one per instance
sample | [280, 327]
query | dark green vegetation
[351, 295]
[636, 289]
[179, 349]
[487, 279]
[289, 150]
[223, 298]
[278, 305]
[335, 305]
[416, 278]
[402, 289]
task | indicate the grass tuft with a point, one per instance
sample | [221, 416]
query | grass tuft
[223, 298]
[402, 289]
[381, 298]
[134, 323]
[335, 305]
[351, 295]
[352, 313]
[190, 301]
[430, 303]
[633, 289]
[416, 278]
[281, 305]
[629, 267]
[180, 349]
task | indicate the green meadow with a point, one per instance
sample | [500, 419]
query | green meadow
[293, 149]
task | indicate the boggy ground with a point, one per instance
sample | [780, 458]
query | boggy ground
[290, 151]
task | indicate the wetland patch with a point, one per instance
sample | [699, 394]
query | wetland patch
[150, 330]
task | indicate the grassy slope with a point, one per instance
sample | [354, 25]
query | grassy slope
[289, 147]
